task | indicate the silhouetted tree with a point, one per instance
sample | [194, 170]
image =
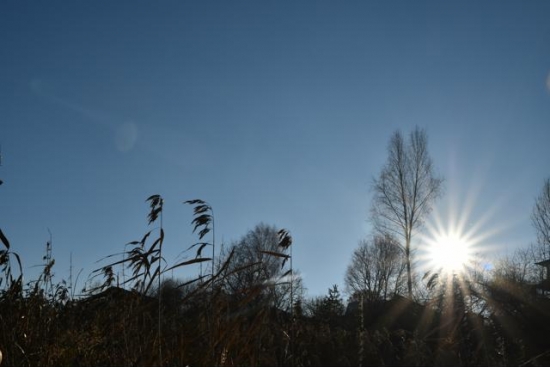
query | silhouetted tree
[541, 218]
[329, 341]
[405, 190]
[259, 259]
[520, 267]
[329, 307]
[376, 268]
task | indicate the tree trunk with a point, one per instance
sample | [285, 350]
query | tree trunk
[408, 261]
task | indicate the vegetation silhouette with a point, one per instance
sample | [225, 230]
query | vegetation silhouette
[249, 307]
[405, 191]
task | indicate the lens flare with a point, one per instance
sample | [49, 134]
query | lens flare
[449, 252]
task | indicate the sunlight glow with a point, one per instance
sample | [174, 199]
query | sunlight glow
[460, 238]
[450, 252]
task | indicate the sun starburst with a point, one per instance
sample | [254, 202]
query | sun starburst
[450, 252]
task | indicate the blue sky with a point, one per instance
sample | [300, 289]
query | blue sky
[275, 112]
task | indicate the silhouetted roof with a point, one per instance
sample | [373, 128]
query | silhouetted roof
[544, 263]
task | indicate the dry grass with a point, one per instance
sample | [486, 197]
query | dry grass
[154, 320]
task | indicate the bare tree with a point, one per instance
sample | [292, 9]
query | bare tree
[520, 267]
[257, 266]
[405, 191]
[376, 268]
[541, 219]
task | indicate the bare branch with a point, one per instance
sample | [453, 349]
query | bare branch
[405, 190]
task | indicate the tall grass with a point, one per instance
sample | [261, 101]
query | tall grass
[150, 319]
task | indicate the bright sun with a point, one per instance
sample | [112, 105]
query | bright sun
[450, 252]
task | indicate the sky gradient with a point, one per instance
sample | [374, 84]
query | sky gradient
[274, 112]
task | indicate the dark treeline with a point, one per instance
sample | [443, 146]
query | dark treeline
[251, 310]
[247, 305]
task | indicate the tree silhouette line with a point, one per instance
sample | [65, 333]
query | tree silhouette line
[247, 304]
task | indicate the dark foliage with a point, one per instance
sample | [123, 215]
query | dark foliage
[231, 316]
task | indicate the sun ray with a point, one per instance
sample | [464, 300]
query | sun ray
[451, 252]
[458, 235]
